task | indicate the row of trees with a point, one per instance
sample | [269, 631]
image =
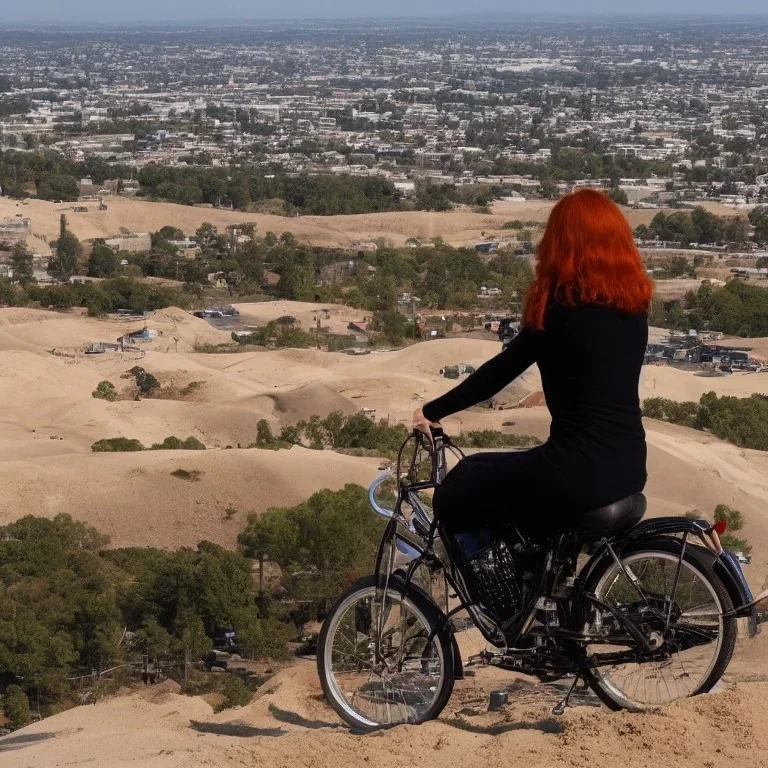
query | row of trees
[737, 308]
[696, 226]
[739, 420]
[51, 175]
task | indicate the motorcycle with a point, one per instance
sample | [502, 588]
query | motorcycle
[644, 612]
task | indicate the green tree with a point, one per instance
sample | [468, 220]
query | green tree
[58, 186]
[619, 196]
[21, 261]
[320, 545]
[103, 261]
[392, 325]
[297, 277]
[16, 706]
[67, 252]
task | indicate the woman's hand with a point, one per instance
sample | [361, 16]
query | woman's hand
[421, 422]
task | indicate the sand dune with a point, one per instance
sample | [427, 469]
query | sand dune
[134, 499]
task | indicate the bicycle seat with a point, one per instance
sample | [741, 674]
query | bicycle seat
[611, 519]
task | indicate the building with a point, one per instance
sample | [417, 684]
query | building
[14, 229]
[131, 243]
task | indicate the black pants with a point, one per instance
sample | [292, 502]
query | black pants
[494, 489]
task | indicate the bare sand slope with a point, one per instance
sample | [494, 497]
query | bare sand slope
[134, 498]
[37, 329]
[458, 227]
[672, 383]
[289, 724]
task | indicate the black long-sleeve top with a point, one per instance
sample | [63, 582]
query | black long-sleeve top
[590, 358]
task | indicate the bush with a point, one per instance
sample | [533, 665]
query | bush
[193, 475]
[489, 438]
[173, 443]
[16, 706]
[265, 439]
[146, 383]
[660, 408]
[105, 391]
[117, 445]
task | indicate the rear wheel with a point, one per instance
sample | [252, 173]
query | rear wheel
[694, 642]
[412, 677]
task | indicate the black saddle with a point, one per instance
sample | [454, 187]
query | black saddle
[611, 519]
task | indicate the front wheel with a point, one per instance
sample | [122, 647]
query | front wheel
[384, 663]
[679, 608]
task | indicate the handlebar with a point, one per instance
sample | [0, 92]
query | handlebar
[409, 491]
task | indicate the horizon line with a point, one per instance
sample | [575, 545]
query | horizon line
[478, 17]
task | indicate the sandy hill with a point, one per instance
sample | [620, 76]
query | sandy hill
[289, 724]
[134, 498]
[458, 227]
[50, 421]
[663, 381]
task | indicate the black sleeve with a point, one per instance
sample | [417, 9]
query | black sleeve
[489, 378]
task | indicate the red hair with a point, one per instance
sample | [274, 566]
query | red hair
[588, 256]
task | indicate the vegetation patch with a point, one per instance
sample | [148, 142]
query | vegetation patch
[360, 435]
[490, 438]
[118, 605]
[105, 390]
[192, 475]
[147, 385]
[173, 443]
[117, 445]
[742, 421]
[737, 308]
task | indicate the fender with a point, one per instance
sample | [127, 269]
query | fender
[724, 565]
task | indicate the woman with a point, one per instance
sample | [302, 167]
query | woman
[585, 324]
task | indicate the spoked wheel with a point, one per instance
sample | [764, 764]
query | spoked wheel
[693, 642]
[384, 666]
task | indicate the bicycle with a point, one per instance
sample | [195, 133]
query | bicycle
[644, 612]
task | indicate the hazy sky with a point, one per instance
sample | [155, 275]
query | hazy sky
[105, 11]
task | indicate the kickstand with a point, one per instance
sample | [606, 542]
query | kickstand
[559, 708]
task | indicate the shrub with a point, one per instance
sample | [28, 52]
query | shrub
[265, 439]
[105, 390]
[193, 475]
[16, 706]
[489, 438]
[147, 384]
[117, 445]
[173, 443]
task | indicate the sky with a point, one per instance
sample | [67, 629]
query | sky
[107, 11]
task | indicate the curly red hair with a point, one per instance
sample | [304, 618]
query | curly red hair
[588, 256]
